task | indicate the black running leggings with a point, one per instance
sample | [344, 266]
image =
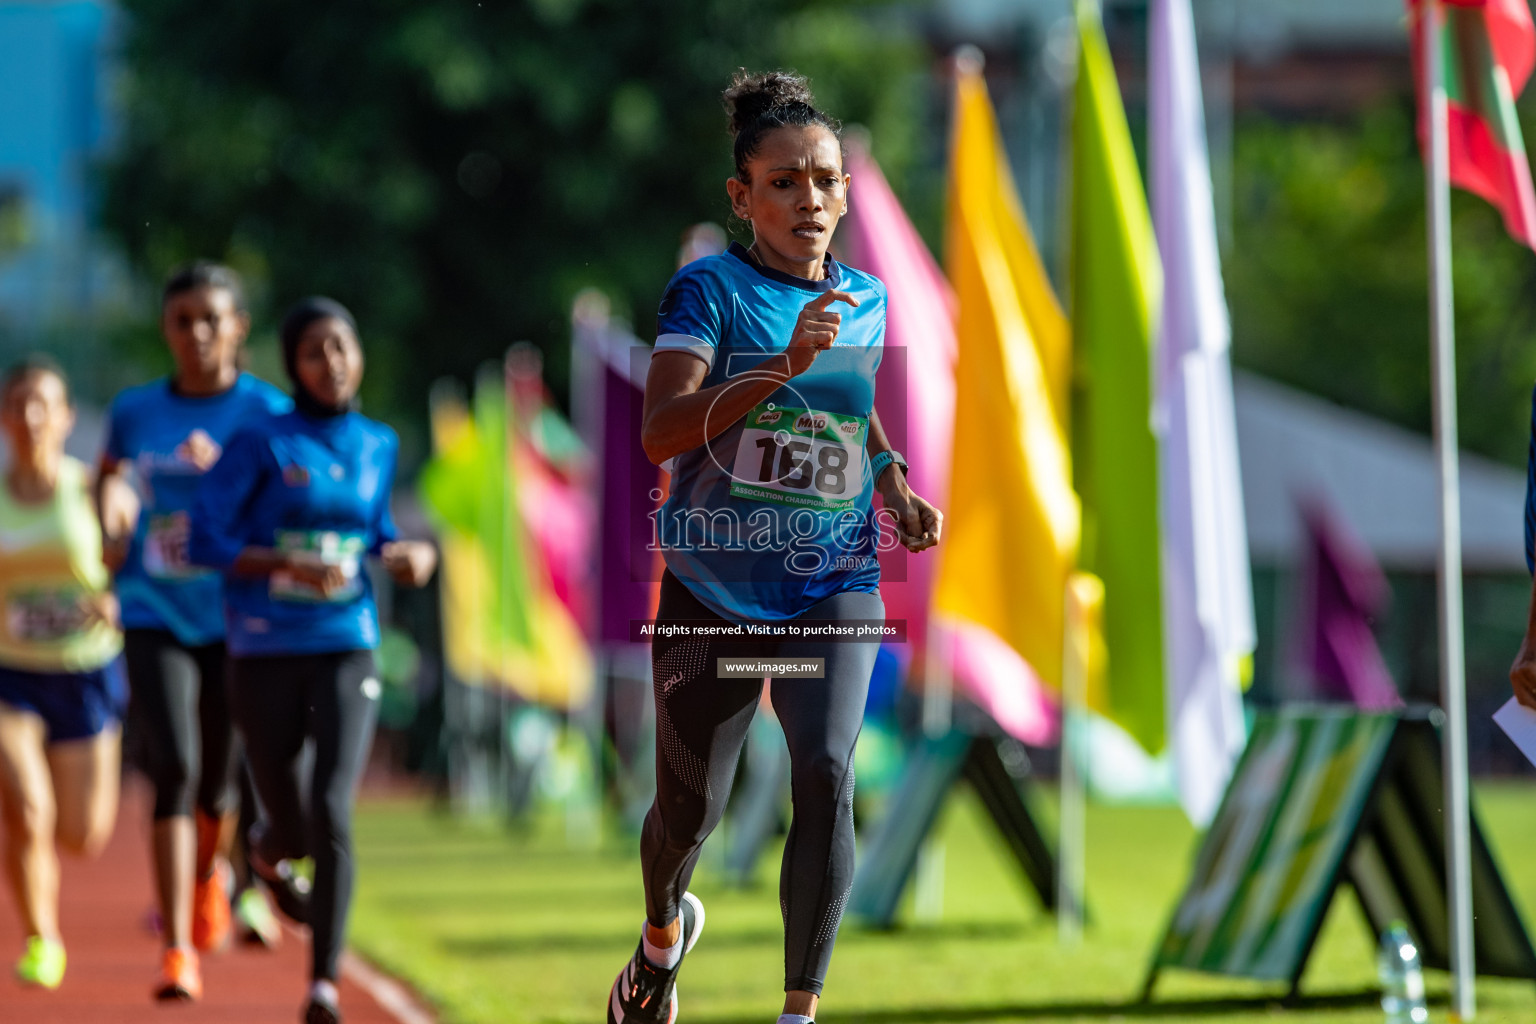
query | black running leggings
[178, 718]
[701, 723]
[332, 700]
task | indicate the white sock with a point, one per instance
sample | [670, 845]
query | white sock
[794, 1018]
[665, 957]
[323, 991]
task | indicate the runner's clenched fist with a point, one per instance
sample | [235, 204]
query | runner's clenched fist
[815, 330]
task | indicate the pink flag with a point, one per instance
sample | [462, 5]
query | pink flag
[549, 464]
[915, 398]
[559, 518]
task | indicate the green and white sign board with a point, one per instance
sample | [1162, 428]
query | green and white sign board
[937, 764]
[1323, 796]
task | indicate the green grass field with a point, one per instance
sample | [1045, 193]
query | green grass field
[491, 926]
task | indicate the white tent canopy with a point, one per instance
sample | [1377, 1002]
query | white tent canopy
[1380, 478]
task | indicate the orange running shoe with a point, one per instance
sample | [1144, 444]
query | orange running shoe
[180, 976]
[212, 923]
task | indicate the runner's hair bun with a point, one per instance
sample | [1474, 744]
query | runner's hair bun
[751, 96]
[759, 104]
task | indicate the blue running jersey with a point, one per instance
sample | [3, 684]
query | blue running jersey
[774, 514]
[151, 427]
[1530, 493]
[319, 486]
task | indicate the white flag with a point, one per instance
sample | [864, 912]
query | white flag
[1207, 591]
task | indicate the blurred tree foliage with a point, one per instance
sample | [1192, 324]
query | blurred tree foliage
[15, 231]
[1328, 283]
[456, 171]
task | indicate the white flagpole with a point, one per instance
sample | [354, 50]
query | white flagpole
[1071, 841]
[938, 721]
[939, 683]
[1453, 687]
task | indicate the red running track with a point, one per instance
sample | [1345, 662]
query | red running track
[114, 959]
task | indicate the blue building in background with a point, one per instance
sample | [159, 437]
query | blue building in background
[57, 278]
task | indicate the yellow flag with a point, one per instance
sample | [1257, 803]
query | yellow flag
[1086, 653]
[1011, 528]
[464, 577]
[503, 624]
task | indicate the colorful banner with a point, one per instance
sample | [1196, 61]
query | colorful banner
[504, 624]
[1208, 630]
[915, 397]
[610, 365]
[1342, 590]
[1116, 288]
[1488, 48]
[1011, 528]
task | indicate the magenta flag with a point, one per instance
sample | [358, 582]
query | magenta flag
[610, 367]
[1342, 590]
[915, 398]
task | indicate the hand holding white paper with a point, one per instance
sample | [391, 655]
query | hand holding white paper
[1519, 723]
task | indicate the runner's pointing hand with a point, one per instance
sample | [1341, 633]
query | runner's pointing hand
[815, 330]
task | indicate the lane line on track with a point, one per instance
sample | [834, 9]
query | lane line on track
[391, 996]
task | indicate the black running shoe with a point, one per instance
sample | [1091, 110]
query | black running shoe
[321, 1011]
[290, 891]
[646, 994]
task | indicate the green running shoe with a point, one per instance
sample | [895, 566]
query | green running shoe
[42, 964]
[258, 925]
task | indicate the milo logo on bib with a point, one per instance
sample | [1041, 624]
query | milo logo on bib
[810, 423]
[801, 457]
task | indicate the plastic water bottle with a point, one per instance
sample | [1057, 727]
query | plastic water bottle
[1402, 982]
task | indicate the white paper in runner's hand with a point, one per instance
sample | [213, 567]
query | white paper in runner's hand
[1519, 722]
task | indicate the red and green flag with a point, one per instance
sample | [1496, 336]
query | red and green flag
[1488, 48]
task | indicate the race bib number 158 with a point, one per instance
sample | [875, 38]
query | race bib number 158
[800, 457]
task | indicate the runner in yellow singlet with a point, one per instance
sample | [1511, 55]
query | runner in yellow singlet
[61, 678]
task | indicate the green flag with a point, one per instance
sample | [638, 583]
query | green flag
[470, 490]
[501, 524]
[1116, 288]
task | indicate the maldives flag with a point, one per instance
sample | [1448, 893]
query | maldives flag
[1487, 48]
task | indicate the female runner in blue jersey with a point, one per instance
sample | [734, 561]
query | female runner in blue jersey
[166, 434]
[761, 395]
[290, 513]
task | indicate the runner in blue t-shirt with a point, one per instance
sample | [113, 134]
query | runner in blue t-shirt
[289, 515]
[761, 397]
[1522, 674]
[161, 438]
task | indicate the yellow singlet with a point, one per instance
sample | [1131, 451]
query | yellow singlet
[50, 569]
